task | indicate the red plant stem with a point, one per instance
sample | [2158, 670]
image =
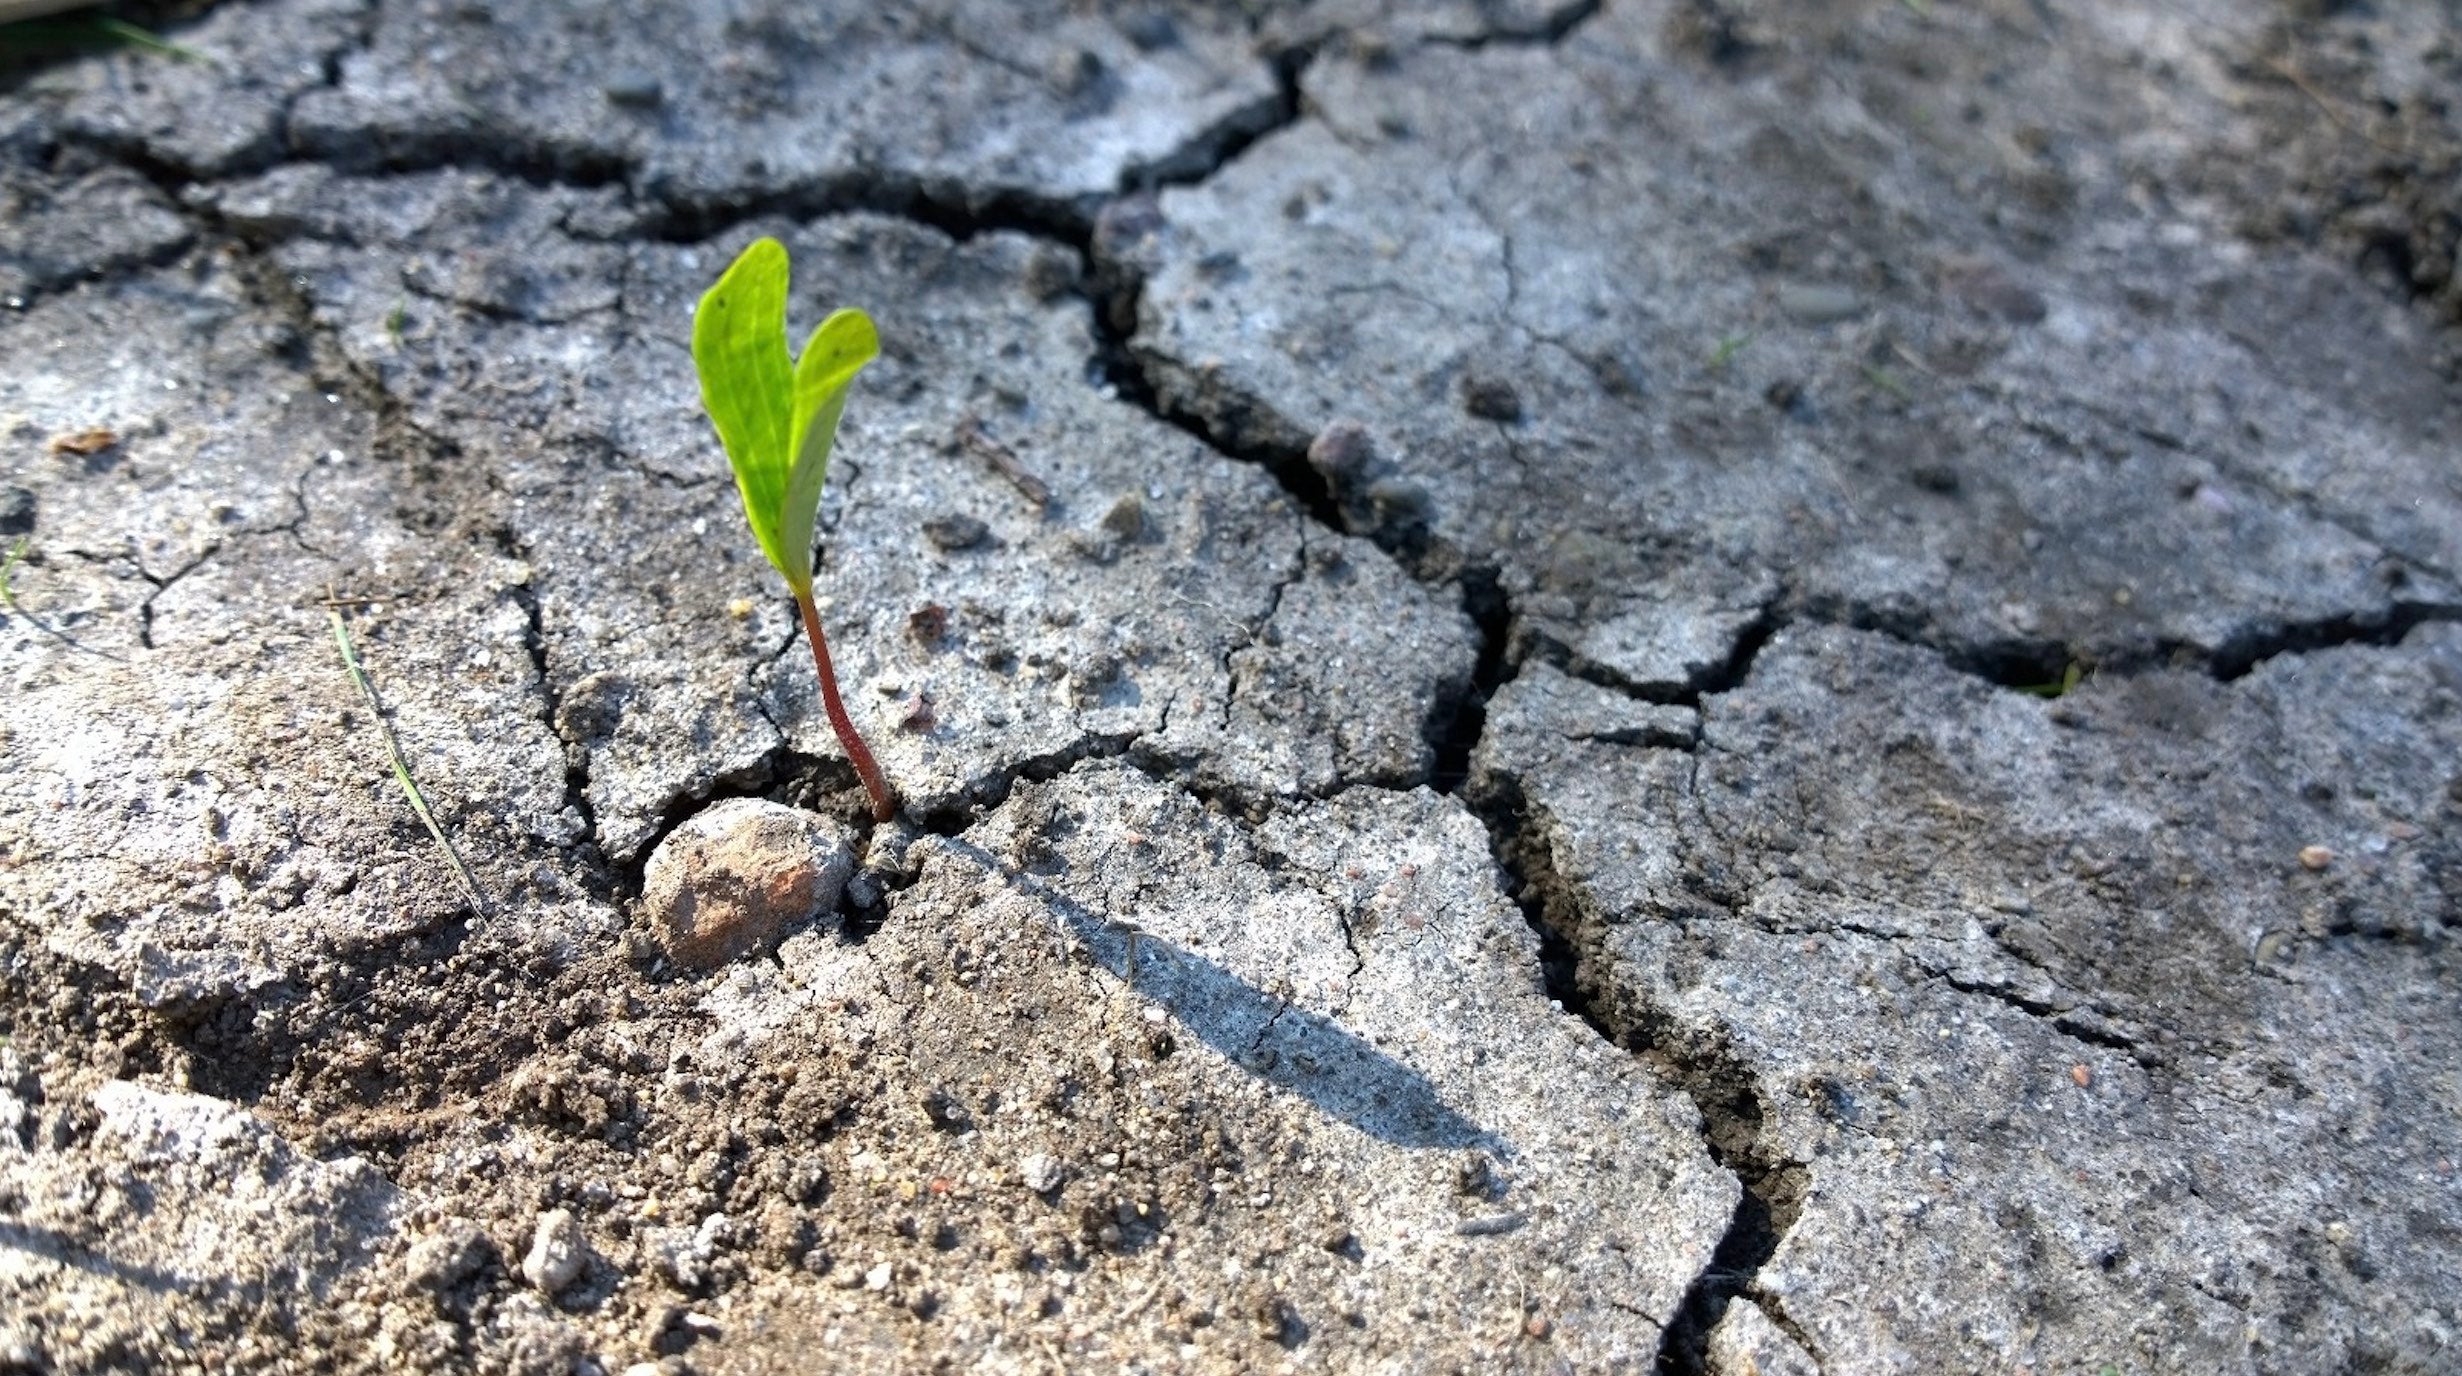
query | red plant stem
[884, 802]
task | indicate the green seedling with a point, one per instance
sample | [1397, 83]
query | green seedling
[127, 34]
[24, 37]
[393, 751]
[1726, 351]
[2060, 687]
[777, 418]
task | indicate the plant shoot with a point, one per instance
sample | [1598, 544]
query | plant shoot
[777, 417]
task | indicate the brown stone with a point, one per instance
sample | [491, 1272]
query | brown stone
[726, 883]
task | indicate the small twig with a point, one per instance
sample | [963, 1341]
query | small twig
[971, 434]
[393, 748]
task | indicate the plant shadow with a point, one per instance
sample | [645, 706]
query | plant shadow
[1291, 1048]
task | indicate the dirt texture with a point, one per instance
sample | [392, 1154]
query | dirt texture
[1680, 686]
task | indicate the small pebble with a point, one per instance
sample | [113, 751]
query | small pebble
[558, 1251]
[634, 90]
[728, 881]
[1342, 451]
[1819, 305]
[1399, 499]
[1127, 518]
[1041, 1173]
[2081, 1075]
[2315, 857]
[878, 1277]
[956, 532]
[1491, 398]
[447, 1257]
[83, 443]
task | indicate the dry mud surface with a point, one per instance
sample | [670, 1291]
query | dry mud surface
[1657, 685]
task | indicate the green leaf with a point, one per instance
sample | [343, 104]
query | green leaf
[831, 358]
[777, 420]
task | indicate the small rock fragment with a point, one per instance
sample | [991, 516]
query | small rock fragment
[558, 1251]
[634, 90]
[1491, 398]
[730, 880]
[1342, 452]
[878, 1277]
[928, 623]
[1127, 518]
[1492, 1225]
[84, 443]
[2081, 1075]
[952, 533]
[1934, 475]
[1818, 305]
[1041, 1173]
[2316, 857]
[1399, 499]
[17, 507]
[450, 1256]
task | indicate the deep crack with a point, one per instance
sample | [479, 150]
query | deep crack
[1456, 721]
[1699, 1062]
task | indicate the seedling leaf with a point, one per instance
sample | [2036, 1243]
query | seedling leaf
[778, 419]
[739, 348]
[831, 358]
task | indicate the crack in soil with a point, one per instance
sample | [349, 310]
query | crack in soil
[163, 583]
[1550, 29]
[551, 712]
[1700, 1064]
[2060, 1019]
[1455, 726]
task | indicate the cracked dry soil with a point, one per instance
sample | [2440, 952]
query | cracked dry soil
[1651, 685]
